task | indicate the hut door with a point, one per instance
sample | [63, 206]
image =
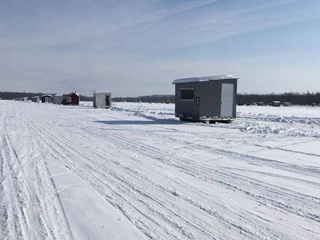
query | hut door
[227, 92]
[107, 101]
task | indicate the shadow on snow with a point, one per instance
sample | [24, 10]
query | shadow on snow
[139, 122]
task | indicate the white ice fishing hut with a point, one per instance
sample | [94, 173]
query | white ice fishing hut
[57, 98]
[102, 99]
[35, 99]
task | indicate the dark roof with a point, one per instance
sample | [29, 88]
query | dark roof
[73, 93]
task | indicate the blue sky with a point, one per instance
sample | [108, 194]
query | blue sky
[138, 47]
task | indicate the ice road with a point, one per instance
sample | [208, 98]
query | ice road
[136, 172]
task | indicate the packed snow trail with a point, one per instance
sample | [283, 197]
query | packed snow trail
[31, 208]
[126, 173]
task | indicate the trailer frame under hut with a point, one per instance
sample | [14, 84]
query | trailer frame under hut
[102, 99]
[208, 99]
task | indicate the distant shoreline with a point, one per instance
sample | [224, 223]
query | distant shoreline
[242, 98]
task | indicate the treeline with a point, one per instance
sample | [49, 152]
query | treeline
[12, 95]
[295, 98]
[152, 98]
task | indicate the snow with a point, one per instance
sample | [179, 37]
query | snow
[101, 91]
[76, 93]
[286, 121]
[203, 79]
[136, 172]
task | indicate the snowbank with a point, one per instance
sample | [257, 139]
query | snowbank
[287, 121]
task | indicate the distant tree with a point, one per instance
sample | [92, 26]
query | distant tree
[294, 97]
[12, 95]
[151, 98]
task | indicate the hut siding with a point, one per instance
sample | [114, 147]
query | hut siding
[187, 107]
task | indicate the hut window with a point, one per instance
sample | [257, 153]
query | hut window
[186, 94]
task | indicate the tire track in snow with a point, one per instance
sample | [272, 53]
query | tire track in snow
[88, 159]
[16, 196]
[26, 201]
[300, 198]
[237, 228]
[153, 152]
[289, 150]
[312, 171]
[187, 165]
[207, 173]
[268, 162]
[210, 212]
[93, 179]
[219, 217]
[13, 222]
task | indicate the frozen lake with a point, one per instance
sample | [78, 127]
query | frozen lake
[136, 172]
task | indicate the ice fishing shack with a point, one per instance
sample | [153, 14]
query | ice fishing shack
[35, 99]
[102, 99]
[57, 98]
[212, 98]
[73, 98]
[46, 98]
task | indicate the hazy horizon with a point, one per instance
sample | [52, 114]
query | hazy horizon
[137, 48]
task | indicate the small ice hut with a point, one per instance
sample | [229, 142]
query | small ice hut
[276, 103]
[57, 98]
[212, 98]
[46, 98]
[102, 99]
[35, 99]
[287, 104]
[73, 98]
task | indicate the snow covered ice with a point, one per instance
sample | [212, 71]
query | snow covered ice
[136, 172]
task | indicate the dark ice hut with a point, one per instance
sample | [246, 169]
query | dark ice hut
[46, 98]
[211, 98]
[73, 98]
